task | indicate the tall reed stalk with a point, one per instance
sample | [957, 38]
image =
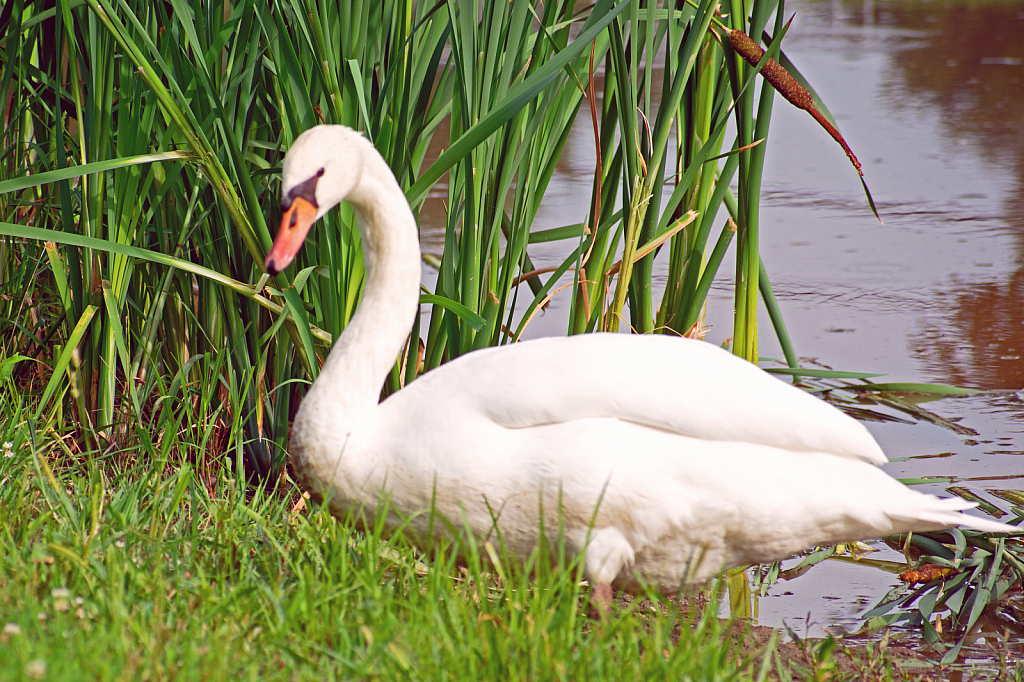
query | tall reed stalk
[141, 170]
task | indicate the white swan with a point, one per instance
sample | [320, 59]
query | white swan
[695, 460]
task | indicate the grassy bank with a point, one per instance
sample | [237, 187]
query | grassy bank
[119, 570]
[125, 568]
[184, 574]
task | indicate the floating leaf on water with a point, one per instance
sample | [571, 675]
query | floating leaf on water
[857, 550]
[983, 505]
[940, 390]
[1014, 497]
[821, 373]
[924, 479]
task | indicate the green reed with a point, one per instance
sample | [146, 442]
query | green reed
[144, 145]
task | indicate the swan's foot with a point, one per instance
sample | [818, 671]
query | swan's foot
[601, 602]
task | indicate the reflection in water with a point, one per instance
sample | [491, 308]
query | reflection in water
[931, 88]
[966, 60]
[980, 341]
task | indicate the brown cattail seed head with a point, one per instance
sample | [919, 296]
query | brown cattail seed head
[772, 71]
[781, 80]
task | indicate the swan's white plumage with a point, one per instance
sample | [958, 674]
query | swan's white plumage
[693, 459]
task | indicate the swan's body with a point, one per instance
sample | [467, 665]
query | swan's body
[661, 459]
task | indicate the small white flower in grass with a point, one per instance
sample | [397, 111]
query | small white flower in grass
[119, 543]
[36, 669]
[79, 601]
[60, 598]
[8, 449]
[12, 629]
[42, 616]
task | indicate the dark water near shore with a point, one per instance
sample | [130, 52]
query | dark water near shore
[930, 95]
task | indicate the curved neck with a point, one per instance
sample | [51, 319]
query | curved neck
[359, 362]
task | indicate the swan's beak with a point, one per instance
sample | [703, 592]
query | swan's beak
[295, 224]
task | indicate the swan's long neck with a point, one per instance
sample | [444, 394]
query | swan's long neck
[355, 370]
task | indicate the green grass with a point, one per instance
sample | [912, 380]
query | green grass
[154, 563]
[184, 574]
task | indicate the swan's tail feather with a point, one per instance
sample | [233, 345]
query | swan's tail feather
[947, 512]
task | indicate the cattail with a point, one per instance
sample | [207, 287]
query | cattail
[781, 80]
[772, 71]
[926, 574]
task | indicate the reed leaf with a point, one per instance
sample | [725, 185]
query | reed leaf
[166, 257]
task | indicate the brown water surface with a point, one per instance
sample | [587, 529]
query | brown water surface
[930, 95]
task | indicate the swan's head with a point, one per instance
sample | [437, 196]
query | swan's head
[321, 169]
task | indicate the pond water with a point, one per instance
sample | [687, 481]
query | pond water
[930, 95]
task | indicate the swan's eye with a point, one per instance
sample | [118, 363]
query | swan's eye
[306, 190]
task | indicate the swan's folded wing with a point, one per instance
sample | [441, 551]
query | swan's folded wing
[679, 385]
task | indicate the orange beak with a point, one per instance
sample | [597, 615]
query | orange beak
[295, 224]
